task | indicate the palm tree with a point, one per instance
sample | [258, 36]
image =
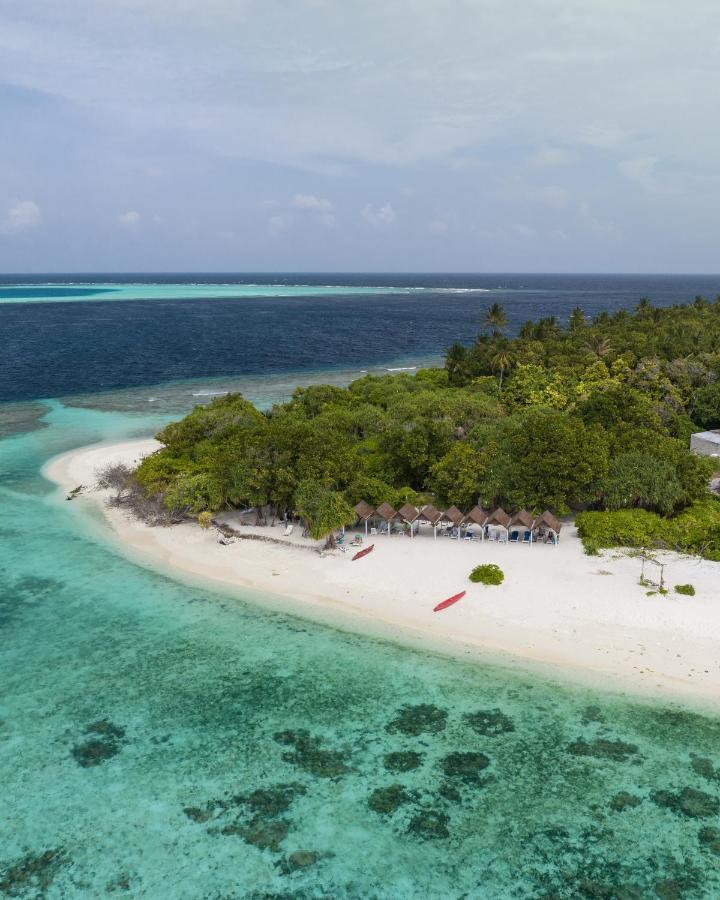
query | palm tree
[495, 318]
[599, 345]
[502, 360]
[644, 306]
[577, 319]
[455, 363]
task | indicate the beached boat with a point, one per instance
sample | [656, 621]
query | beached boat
[362, 553]
[449, 601]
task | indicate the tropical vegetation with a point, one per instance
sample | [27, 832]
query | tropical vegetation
[591, 416]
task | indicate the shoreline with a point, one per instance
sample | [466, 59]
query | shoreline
[559, 613]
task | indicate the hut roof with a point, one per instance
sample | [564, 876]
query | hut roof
[552, 522]
[363, 510]
[477, 515]
[385, 511]
[431, 514]
[522, 517]
[408, 512]
[453, 515]
[498, 517]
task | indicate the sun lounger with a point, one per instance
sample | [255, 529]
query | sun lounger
[526, 537]
[288, 530]
[468, 535]
[514, 535]
[373, 531]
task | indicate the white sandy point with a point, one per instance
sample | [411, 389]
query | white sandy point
[555, 609]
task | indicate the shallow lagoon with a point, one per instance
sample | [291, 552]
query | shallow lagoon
[163, 741]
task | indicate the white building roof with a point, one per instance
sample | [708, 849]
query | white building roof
[713, 436]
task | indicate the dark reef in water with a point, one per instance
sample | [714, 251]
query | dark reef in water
[709, 839]
[706, 768]
[32, 875]
[623, 801]
[421, 719]
[388, 800]
[600, 748]
[310, 756]
[430, 825]
[402, 761]
[688, 802]
[106, 742]
[489, 722]
[465, 766]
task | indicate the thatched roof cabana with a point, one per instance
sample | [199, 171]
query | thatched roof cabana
[453, 515]
[523, 517]
[363, 510]
[408, 513]
[431, 514]
[498, 517]
[549, 521]
[476, 516]
[386, 512]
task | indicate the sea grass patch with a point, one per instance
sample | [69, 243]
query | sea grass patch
[424, 718]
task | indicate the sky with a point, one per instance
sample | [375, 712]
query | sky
[360, 135]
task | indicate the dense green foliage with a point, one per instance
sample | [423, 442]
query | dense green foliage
[694, 530]
[488, 573]
[595, 415]
[687, 589]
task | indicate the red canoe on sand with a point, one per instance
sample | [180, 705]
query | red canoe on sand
[362, 553]
[449, 601]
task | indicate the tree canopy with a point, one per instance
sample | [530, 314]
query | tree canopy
[592, 415]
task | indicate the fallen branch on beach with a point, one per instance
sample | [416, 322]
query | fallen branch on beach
[229, 532]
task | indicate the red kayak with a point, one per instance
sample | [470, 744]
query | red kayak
[362, 553]
[449, 601]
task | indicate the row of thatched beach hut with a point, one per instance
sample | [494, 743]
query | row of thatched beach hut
[520, 527]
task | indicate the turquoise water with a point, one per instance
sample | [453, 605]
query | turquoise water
[161, 741]
[94, 291]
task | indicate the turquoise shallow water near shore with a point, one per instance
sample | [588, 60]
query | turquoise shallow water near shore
[164, 741]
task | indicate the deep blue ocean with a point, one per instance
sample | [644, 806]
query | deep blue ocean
[170, 327]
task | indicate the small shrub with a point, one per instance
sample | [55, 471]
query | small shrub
[205, 519]
[487, 574]
[686, 589]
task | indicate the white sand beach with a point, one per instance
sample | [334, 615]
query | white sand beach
[582, 617]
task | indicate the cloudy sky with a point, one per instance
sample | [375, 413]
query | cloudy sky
[385, 135]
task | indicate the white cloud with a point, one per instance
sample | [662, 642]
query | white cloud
[640, 170]
[604, 229]
[553, 156]
[300, 206]
[553, 195]
[23, 216]
[129, 219]
[379, 216]
[522, 230]
[311, 202]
